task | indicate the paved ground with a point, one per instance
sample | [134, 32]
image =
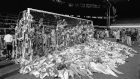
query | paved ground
[131, 70]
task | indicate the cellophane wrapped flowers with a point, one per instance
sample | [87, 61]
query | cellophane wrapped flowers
[81, 60]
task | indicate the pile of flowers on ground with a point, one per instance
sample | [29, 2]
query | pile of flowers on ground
[82, 60]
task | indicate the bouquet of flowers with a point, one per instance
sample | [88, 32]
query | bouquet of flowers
[81, 60]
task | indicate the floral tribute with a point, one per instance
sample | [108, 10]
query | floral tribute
[71, 57]
[81, 60]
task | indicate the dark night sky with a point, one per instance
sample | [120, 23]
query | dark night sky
[124, 8]
[129, 9]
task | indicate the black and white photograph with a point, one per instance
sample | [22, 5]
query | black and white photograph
[69, 39]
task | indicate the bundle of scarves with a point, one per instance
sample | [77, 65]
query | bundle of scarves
[73, 35]
[82, 60]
